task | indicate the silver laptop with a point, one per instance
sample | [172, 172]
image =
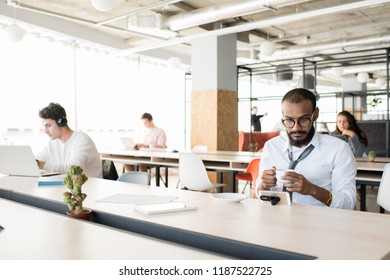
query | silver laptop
[128, 143]
[19, 160]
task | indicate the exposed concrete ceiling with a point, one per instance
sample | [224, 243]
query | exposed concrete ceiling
[166, 28]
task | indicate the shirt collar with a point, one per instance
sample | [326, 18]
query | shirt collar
[315, 141]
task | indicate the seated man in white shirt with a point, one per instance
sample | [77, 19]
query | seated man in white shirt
[66, 147]
[326, 176]
[155, 137]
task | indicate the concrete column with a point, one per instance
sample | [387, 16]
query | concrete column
[214, 108]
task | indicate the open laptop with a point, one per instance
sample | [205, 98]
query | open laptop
[19, 160]
[128, 143]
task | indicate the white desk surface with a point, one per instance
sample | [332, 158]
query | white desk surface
[228, 160]
[316, 231]
[30, 233]
[367, 176]
[377, 159]
[370, 166]
[168, 153]
[223, 160]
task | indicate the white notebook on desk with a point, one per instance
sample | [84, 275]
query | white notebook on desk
[175, 206]
[19, 160]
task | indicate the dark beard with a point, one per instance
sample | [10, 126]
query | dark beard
[304, 142]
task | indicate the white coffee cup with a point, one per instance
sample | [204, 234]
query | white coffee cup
[279, 174]
[279, 181]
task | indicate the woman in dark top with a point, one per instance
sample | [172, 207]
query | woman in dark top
[348, 129]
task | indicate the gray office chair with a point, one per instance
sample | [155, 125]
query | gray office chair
[383, 198]
[136, 177]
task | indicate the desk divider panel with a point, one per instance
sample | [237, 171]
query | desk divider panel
[239, 250]
[41, 203]
[5, 193]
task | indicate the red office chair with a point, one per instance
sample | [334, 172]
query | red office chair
[251, 173]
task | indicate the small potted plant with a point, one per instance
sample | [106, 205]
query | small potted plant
[371, 156]
[253, 147]
[74, 180]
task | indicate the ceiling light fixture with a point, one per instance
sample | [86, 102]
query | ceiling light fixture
[104, 5]
[362, 77]
[174, 62]
[14, 32]
[380, 82]
[267, 48]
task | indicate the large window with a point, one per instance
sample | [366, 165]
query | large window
[103, 94]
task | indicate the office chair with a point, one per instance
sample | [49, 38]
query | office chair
[200, 148]
[251, 173]
[136, 177]
[193, 174]
[383, 199]
[109, 170]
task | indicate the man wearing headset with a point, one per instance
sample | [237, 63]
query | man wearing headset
[66, 147]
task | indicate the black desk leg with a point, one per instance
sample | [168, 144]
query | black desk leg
[220, 177]
[166, 176]
[234, 182]
[157, 176]
[362, 197]
[381, 210]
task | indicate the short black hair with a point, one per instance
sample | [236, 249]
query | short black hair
[298, 95]
[147, 116]
[53, 111]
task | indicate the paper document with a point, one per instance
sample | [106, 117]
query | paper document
[137, 199]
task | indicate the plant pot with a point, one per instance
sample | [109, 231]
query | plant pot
[85, 215]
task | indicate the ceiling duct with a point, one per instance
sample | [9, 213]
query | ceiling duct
[149, 21]
[220, 12]
[149, 24]
[330, 47]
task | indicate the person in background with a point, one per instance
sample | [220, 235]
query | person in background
[155, 137]
[348, 130]
[66, 147]
[255, 119]
[324, 168]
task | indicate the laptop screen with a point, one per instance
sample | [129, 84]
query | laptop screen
[18, 160]
[128, 143]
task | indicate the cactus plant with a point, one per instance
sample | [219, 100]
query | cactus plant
[74, 180]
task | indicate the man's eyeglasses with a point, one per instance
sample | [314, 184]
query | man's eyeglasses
[302, 121]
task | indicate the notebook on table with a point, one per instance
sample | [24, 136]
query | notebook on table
[19, 160]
